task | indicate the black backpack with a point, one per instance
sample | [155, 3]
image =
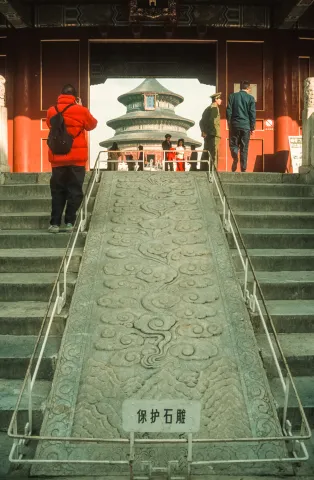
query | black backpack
[59, 140]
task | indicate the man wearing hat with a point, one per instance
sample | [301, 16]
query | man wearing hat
[210, 128]
[166, 145]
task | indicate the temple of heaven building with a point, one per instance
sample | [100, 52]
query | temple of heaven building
[150, 115]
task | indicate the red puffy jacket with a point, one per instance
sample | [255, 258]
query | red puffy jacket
[77, 119]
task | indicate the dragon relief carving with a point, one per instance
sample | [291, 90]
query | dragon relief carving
[161, 329]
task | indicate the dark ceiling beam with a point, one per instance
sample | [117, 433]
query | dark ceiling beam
[16, 13]
[289, 12]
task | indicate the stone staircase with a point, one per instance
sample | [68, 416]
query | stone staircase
[29, 261]
[275, 214]
[276, 217]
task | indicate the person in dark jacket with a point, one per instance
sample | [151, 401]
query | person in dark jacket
[140, 161]
[114, 155]
[68, 171]
[167, 145]
[241, 118]
[210, 128]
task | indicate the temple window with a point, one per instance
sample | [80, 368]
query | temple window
[150, 101]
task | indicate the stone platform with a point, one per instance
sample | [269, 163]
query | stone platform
[157, 313]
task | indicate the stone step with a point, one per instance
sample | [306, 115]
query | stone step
[289, 316]
[26, 178]
[32, 178]
[9, 392]
[272, 259]
[274, 219]
[260, 177]
[305, 389]
[285, 285]
[25, 318]
[298, 349]
[31, 205]
[25, 221]
[274, 238]
[193, 477]
[37, 239]
[32, 260]
[268, 204]
[15, 287]
[15, 353]
[32, 191]
[267, 189]
[26, 190]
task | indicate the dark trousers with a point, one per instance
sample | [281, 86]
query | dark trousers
[140, 166]
[239, 140]
[66, 190]
[204, 167]
[168, 165]
[193, 164]
[211, 144]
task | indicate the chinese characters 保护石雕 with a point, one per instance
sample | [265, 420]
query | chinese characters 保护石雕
[169, 416]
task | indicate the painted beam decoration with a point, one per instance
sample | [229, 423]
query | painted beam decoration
[290, 15]
[16, 13]
[227, 16]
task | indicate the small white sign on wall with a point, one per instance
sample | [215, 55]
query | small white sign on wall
[295, 143]
[236, 88]
[169, 416]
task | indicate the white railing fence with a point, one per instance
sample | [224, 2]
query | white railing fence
[151, 159]
[252, 295]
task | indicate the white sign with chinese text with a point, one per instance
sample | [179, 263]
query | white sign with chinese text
[169, 416]
[295, 143]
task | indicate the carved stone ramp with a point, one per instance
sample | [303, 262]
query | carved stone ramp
[157, 313]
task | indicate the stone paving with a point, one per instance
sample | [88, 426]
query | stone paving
[157, 313]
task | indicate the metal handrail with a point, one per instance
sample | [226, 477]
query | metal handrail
[253, 302]
[251, 299]
[59, 302]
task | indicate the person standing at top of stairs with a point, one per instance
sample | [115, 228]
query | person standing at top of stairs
[210, 129]
[241, 118]
[68, 154]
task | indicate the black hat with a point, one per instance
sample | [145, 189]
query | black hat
[167, 135]
[215, 96]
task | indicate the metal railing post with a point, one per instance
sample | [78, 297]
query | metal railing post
[30, 405]
[253, 298]
[246, 294]
[83, 221]
[286, 403]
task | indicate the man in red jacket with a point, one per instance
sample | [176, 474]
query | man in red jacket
[68, 171]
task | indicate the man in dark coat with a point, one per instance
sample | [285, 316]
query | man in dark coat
[166, 145]
[210, 128]
[241, 117]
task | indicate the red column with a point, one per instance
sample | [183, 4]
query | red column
[282, 103]
[22, 123]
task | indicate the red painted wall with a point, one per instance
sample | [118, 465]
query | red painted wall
[36, 63]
